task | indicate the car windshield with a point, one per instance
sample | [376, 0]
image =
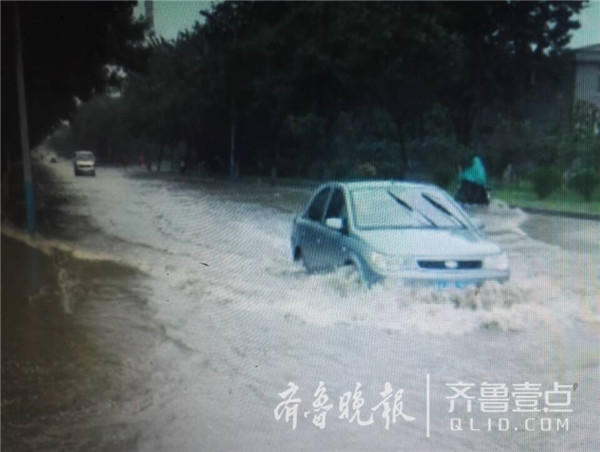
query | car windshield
[84, 155]
[400, 207]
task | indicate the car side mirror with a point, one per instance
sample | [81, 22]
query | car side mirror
[335, 223]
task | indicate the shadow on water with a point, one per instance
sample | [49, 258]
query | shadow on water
[74, 337]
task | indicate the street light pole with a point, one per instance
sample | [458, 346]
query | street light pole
[27, 174]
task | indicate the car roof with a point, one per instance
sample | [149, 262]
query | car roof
[353, 185]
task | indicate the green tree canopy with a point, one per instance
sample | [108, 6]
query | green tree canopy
[66, 49]
[290, 83]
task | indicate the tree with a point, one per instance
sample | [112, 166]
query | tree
[257, 85]
[508, 48]
[66, 49]
[266, 66]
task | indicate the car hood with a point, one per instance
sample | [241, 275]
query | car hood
[428, 242]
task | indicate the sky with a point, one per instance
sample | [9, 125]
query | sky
[589, 33]
[171, 17]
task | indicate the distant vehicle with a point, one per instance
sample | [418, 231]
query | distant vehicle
[84, 162]
[412, 232]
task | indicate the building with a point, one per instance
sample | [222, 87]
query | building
[587, 74]
[549, 104]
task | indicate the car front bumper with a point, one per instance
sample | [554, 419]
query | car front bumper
[444, 278]
[85, 169]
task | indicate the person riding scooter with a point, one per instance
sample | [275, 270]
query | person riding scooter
[472, 187]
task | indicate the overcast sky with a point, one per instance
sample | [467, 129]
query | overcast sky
[171, 17]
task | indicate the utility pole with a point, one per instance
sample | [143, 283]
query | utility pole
[27, 174]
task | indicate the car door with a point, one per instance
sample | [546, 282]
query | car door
[311, 230]
[333, 242]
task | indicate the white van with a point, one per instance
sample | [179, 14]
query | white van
[84, 162]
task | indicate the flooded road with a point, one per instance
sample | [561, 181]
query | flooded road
[228, 321]
[71, 328]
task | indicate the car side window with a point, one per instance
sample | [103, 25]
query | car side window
[337, 205]
[316, 208]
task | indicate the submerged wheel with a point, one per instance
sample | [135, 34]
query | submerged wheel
[299, 259]
[353, 274]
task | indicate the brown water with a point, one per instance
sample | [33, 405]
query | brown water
[67, 375]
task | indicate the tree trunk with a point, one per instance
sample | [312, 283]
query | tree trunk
[160, 157]
[232, 171]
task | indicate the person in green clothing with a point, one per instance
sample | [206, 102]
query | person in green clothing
[473, 184]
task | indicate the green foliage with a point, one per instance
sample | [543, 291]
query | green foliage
[512, 142]
[506, 46]
[545, 181]
[585, 182]
[585, 120]
[304, 136]
[367, 90]
[439, 150]
[555, 148]
[438, 122]
[367, 136]
[66, 49]
[441, 156]
[586, 134]
[443, 177]
[574, 148]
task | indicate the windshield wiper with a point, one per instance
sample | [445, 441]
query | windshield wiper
[403, 203]
[439, 206]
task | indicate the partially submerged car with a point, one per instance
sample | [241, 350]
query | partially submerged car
[412, 232]
[84, 162]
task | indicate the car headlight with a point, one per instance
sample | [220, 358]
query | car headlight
[496, 262]
[388, 263]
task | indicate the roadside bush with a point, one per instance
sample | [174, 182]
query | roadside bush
[545, 181]
[362, 171]
[511, 143]
[585, 182]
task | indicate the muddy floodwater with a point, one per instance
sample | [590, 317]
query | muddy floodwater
[167, 315]
[72, 329]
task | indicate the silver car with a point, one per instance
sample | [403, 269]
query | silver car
[84, 162]
[413, 232]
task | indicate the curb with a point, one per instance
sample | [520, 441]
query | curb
[558, 213]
